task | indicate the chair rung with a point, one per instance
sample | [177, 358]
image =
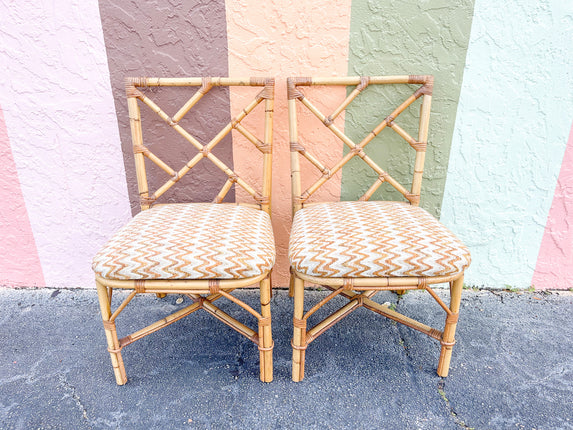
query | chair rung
[398, 317]
[158, 325]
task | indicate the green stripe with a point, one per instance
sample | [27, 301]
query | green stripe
[405, 37]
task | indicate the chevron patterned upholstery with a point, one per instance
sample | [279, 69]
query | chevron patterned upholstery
[373, 239]
[190, 241]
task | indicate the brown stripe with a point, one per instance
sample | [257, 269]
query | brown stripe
[152, 41]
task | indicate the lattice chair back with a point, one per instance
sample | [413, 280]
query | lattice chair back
[138, 93]
[356, 148]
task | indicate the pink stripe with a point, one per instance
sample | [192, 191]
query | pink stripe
[554, 269]
[19, 261]
[63, 131]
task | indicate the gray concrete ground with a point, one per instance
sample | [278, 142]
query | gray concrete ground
[512, 367]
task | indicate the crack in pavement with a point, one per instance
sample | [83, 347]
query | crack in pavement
[66, 385]
[453, 413]
[402, 343]
[239, 362]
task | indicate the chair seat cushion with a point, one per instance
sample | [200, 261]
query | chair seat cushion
[373, 239]
[190, 241]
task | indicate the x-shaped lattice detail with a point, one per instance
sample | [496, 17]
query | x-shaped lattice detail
[357, 149]
[205, 151]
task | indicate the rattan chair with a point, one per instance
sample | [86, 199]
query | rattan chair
[200, 250]
[358, 248]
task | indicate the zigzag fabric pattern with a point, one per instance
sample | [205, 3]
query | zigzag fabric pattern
[190, 241]
[373, 239]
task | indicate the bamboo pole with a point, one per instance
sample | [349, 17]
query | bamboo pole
[265, 333]
[111, 335]
[366, 196]
[226, 187]
[159, 162]
[448, 338]
[172, 286]
[158, 325]
[346, 102]
[409, 282]
[422, 137]
[205, 151]
[331, 320]
[413, 196]
[186, 82]
[323, 302]
[402, 319]
[240, 303]
[155, 108]
[230, 321]
[351, 294]
[122, 306]
[267, 156]
[137, 140]
[402, 133]
[261, 146]
[294, 160]
[315, 162]
[355, 80]
[191, 102]
[299, 333]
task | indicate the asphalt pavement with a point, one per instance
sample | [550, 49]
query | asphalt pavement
[512, 367]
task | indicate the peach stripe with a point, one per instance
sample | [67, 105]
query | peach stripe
[19, 261]
[280, 38]
[554, 267]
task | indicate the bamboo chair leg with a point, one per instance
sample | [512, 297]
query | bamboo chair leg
[111, 335]
[299, 332]
[265, 333]
[161, 295]
[448, 338]
[291, 286]
[400, 292]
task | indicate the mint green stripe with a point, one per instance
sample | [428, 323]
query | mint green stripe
[407, 37]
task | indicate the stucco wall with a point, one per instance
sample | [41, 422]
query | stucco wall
[499, 136]
[62, 129]
[155, 38]
[511, 131]
[399, 37]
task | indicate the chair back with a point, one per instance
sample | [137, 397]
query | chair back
[387, 118]
[141, 91]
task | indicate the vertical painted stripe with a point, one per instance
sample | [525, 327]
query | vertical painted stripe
[554, 268]
[63, 133]
[160, 39]
[391, 38]
[281, 38]
[19, 261]
[510, 136]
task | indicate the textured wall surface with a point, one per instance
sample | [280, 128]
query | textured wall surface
[511, 131]
[554, 268]
[405, 37]
[19, 261]
[63, 132]
[504, 103]
[281, 38]
[157, 38]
